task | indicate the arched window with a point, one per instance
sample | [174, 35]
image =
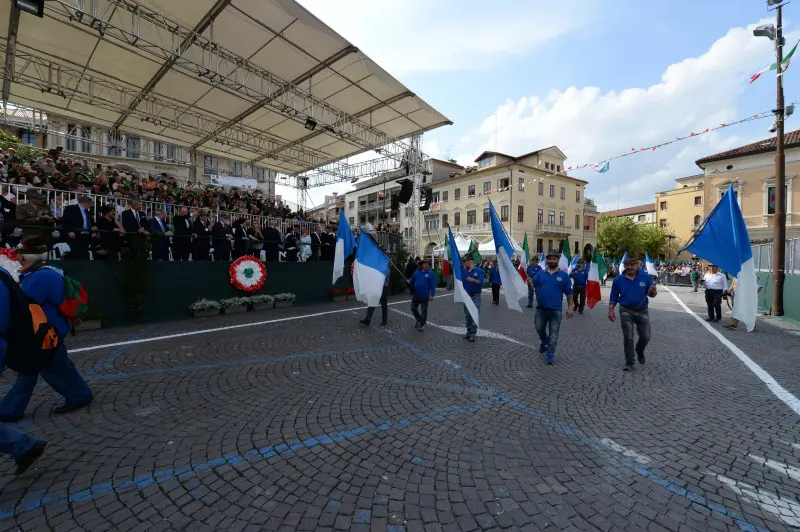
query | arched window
[698, 220]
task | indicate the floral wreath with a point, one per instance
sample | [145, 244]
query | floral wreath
[248, 273]
[9, 261]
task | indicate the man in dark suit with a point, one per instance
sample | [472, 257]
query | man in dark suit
[221, 236]
[182, 241]
[160, 235]
[272, 240]
[78, 224]
[201, 246]
[134, 221]
[316, 243]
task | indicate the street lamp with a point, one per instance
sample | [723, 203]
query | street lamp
[775, 33]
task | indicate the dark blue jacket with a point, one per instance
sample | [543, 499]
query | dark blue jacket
[476, 273]
[580, 277]
[424, 284]
[494, 275]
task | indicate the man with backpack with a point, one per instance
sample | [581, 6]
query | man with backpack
[47, 287]
[23, 448]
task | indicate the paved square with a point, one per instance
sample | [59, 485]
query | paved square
[311, 421]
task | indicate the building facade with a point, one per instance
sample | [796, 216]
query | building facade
[527, 198]
[751, 171]
[328, 211]
[680, 211]
[640, 214]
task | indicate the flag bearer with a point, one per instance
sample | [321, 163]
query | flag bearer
[551, 286]
[473, 284]
[496, 282]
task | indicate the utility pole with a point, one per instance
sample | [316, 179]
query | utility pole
[779, 219]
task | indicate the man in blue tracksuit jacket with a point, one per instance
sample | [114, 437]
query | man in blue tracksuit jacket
[580, 275]
[24, 449]
[532, 269]
[46, 287]
[472, 278]
[423, 288]
[496, 282]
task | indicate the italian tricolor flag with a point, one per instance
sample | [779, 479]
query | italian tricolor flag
[524, 258]
[774, 66]
[563, 262]
[597, 270]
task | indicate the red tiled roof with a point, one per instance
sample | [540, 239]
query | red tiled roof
[638, 209]
[790, 139]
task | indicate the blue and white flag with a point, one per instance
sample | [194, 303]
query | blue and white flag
[601, 167]
[369, 271]
[723, 240]
[543, 262]
[459, 292]
[345, 244]
[514, 287]
[573, 264]
[624, 256]
[649, 266]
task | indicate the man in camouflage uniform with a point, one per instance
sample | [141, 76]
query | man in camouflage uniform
[34, 212]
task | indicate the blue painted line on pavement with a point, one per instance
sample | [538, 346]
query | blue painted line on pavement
[576, 434]
[217, 365]
[36, 499]
[98, 366]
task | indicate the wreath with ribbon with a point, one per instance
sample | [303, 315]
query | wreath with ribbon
[9, 261]
[248, 273]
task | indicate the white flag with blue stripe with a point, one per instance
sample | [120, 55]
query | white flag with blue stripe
[723, 240]
[514, 287]
[369, 271]
[459, 292]
[345, 244]
[649, 266]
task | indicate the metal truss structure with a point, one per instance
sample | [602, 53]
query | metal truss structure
[416, 168]
[130, 25]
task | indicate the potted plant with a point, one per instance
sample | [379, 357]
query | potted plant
[262, 302]
[234, 305]
[338, 295]
[205, 307]
[284, 300]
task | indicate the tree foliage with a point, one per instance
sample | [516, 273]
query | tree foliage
[24, 151]
[617, 236]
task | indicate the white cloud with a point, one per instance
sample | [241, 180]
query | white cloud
[591, 125]
[405, 36]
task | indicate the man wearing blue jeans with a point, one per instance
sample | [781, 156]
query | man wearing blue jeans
[551, 285]
[631, 291]
[24, 449]
[531, 271]
[423, 288]
[472, 278]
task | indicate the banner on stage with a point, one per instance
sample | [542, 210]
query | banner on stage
[230, 181]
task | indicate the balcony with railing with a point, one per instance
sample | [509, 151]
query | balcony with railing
[553, 229]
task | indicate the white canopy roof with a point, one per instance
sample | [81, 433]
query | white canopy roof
[231, 78]
[488, 247]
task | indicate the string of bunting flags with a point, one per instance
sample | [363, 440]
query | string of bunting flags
[603, 167]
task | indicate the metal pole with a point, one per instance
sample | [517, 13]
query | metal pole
[511, 208]
[779, 221]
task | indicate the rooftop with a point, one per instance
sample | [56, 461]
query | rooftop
[628, 211]
[791, 139]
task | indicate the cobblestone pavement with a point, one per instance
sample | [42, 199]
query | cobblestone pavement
[308, 420]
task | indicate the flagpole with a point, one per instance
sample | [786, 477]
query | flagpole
[779, 221]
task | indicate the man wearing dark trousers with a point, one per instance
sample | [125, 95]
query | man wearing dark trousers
[631, 291]
[182, 241]
[423, 288]
[579, 277]
[78, 223]
[716, 284]
[160, 234]
[384, 306]
[496, 282]
[532, 269]
[221, 236]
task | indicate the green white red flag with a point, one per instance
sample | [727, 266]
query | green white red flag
[597, 270]
[566, 258]
[524, 258]
[774, 66]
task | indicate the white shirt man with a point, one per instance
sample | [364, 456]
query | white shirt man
[715, 281]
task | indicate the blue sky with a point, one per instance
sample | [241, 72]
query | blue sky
[596, 79]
